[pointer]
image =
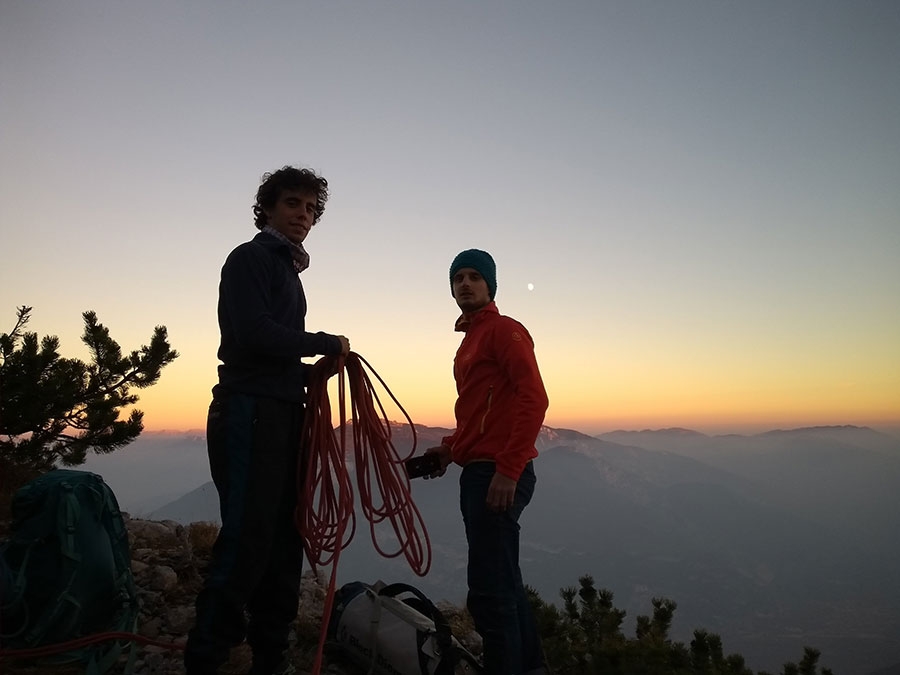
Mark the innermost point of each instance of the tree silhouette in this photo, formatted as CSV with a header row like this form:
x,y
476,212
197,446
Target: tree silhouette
x,y
585,638
808,664
54,409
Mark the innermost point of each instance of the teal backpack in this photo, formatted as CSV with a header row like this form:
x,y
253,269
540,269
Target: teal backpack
x,y
68,572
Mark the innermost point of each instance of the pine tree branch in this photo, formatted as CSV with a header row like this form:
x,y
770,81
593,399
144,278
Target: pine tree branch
x,y
54,409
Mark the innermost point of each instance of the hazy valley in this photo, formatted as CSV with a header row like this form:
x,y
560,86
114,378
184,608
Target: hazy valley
x,y
774,541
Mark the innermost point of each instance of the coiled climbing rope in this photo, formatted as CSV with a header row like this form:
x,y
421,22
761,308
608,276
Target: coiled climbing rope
x,y
325,514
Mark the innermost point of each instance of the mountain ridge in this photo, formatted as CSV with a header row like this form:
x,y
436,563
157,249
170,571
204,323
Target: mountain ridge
x,y
771,541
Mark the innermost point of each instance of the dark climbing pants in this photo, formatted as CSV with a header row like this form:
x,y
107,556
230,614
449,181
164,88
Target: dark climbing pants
x,y
497,600
253,581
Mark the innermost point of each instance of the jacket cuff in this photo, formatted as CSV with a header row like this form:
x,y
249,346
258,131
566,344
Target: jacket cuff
x,y
509,469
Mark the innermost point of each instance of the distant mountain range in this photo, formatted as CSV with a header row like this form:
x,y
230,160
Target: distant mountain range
x,y
774,541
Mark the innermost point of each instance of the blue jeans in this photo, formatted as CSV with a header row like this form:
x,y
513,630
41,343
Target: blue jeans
x,y
497,600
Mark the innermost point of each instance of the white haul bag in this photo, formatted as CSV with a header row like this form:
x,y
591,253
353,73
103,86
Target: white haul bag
x,y
392,635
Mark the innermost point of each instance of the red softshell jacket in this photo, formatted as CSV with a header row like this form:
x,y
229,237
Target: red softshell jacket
x,y
501,398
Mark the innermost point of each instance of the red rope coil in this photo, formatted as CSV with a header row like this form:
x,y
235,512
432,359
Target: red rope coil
x,y
325,514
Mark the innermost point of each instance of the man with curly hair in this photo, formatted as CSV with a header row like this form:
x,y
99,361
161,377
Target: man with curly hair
x,y
253,431
500,407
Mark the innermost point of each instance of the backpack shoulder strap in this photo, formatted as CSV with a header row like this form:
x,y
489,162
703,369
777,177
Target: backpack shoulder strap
x,y
67,513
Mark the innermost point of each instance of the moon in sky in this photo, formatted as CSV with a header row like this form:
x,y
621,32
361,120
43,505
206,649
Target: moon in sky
x,y
530,287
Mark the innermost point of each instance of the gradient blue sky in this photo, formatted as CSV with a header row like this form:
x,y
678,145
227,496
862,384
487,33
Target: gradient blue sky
x,y
704,195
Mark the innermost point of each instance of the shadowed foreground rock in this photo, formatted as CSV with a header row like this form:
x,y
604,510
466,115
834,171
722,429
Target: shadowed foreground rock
x,y
168,561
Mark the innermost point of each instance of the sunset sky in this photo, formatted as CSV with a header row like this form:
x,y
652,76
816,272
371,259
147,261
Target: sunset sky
x,y
705,196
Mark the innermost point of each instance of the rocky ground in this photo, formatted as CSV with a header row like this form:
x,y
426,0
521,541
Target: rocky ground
x,y
168,561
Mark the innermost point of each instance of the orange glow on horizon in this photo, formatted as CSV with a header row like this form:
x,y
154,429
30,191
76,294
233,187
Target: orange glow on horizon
x,y
194,418
586,396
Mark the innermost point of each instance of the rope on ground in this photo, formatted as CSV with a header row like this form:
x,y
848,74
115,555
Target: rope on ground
x,y
78,643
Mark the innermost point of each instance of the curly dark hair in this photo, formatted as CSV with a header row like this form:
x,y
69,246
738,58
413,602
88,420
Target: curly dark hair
x,y
289,178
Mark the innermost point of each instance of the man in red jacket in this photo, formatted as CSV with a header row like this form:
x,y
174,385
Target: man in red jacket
x,y
499,411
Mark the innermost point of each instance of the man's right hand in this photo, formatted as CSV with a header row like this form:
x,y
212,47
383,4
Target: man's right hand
x,y
443,452
345,345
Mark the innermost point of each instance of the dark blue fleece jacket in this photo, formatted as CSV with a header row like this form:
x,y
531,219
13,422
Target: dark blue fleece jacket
x,y
262,317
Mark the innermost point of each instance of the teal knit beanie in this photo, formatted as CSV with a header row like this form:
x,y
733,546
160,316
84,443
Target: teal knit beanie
x,y
480,261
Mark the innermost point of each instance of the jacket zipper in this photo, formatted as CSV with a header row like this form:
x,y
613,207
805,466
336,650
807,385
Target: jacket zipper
x,y
484,417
